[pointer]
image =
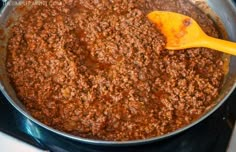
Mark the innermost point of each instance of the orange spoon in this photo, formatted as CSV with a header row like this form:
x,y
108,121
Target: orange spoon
x,y
183,32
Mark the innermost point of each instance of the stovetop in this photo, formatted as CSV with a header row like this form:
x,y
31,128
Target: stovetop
x,y
211,135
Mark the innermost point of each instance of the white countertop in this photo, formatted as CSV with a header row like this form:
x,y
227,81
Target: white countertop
x,y
232,144
10,144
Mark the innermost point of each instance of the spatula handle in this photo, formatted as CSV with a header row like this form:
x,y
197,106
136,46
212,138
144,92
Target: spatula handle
x,y
220,45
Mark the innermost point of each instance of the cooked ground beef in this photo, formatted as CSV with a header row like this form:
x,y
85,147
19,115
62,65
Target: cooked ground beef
x,y
98,69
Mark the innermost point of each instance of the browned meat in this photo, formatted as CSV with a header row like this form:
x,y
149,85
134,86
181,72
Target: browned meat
x,y
98,69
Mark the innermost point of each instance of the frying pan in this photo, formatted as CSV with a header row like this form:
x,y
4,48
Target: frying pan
x,y
224,10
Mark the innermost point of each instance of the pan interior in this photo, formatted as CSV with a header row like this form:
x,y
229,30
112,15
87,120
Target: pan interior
x,y
230,33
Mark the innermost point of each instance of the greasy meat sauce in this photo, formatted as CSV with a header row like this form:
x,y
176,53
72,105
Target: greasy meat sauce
x,y
98,69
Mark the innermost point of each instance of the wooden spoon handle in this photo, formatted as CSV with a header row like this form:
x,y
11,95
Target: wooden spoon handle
x,y
220,45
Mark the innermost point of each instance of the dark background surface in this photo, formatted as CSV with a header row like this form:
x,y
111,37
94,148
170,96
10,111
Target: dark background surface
x,y
211,135
1,4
